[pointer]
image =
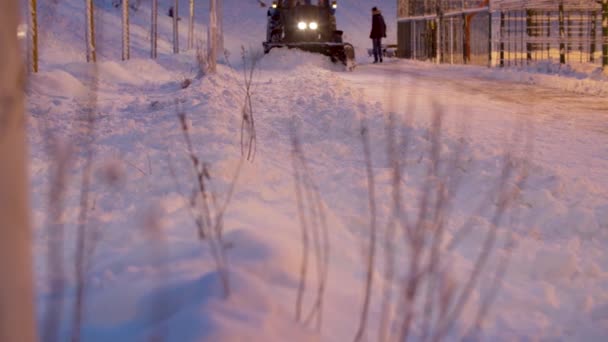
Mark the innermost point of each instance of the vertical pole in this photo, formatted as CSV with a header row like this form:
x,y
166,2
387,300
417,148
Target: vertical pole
x,y
528,35
569,36
212,36
34,34
191,26
593,36
562,34
489,38
125,30
521,37
154,29
220,25
548,35
17,314
538,28
438,47
465,46
502,42
416,41
439,32
90,32
451,40
580,37
509,31
175,27
605,34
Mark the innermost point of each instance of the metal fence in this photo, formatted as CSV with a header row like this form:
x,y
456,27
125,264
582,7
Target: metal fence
x,y
503,32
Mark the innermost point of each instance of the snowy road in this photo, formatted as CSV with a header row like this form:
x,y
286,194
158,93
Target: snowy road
x,y
571,129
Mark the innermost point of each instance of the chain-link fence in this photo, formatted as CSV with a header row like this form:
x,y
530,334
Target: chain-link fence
x,y
504,32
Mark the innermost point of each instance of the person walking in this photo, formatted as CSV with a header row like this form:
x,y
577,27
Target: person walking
x,y
378,32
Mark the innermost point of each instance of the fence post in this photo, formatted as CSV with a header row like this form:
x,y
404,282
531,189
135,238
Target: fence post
x,y
154,29
34,34
592,33
191,26
438,31
562,34
568,35
451,40
90,32
605,34
502,42
414,41
465,45
548,35
175,27
528,35
489,38
125,30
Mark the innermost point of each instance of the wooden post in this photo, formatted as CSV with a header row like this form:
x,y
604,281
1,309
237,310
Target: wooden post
x,y
175,27
125,30
489,38
548,35
439,32
528,35
90,32
465,43
17,314
502,42
33,29
191,26
154,29
438,43
562,34
593,36
569,36
212,36
580,37
220,26
451,40
605,34
521,37
414,40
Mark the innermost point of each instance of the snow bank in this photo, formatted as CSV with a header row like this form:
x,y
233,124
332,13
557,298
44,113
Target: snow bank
x,y
152,278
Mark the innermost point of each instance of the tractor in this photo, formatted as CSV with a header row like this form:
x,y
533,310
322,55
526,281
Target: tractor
x,y
309,27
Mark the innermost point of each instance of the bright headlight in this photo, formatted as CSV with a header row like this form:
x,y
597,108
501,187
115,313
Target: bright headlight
x,y
302,25
313,25
21,31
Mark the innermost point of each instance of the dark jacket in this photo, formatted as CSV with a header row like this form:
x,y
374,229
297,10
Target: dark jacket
x,y
378,26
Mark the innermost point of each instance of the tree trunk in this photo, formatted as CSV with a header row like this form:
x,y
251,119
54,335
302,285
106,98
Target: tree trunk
x,y
16,288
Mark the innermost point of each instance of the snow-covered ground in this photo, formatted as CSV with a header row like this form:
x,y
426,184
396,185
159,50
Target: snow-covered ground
x,y
151,277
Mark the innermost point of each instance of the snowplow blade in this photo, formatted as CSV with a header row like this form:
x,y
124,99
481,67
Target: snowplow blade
x,y
338,52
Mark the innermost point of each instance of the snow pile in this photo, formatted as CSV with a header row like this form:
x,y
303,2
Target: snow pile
x,y
286,59
150,277
573,77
